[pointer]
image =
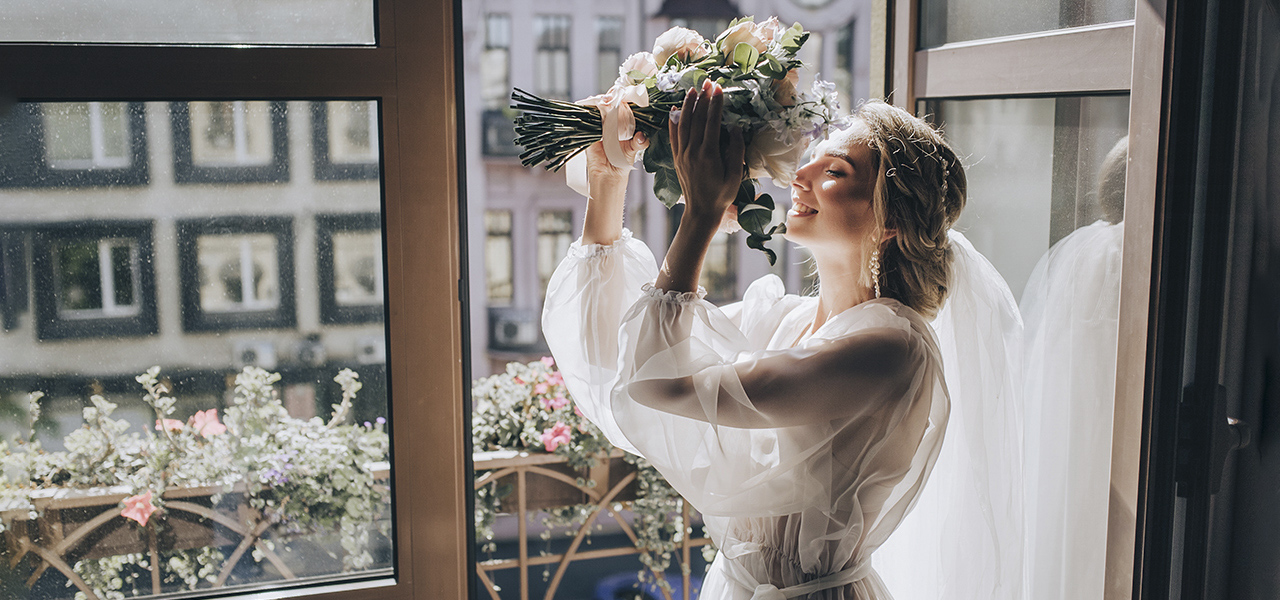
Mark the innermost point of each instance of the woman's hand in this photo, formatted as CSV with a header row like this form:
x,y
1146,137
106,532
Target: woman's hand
x,y
607,187
710,171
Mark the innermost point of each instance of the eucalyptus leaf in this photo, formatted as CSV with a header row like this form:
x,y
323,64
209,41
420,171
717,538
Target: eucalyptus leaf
x,y
745,56
756,241
658,155
692,78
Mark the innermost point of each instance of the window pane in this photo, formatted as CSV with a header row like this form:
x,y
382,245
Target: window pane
x,y
609,51
230,133
353,132
946,21
555,233
551,67
68,136
498,257
1046,206
258,301
346,22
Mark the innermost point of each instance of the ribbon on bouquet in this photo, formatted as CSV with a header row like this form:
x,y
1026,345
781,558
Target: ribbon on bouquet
x,y
618,124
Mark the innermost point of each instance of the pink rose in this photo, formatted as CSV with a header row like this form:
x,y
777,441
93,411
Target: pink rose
x,y
206,423
744,32
678,41
548,361
138,508
558,434
555,378
784,90
168,424
541,389
769,30
578,412
644,63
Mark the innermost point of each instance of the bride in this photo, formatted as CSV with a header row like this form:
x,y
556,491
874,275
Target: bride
x,y
803,428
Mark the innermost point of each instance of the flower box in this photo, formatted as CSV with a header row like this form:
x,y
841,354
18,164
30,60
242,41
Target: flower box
x,y
550,482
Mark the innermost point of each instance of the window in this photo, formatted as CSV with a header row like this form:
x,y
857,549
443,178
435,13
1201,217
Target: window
x,y
946,21
94,280
844,68
229,142
237,272
349,261
344,140
719,269
498,256
551,66
495,62
73,144
555,233
13,276
411,554
608,51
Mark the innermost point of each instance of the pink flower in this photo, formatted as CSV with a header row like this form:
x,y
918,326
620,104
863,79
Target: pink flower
x,y
558,434
578,412
555,378
770,30
206,422
540,389
518,380
168,424
138,508
742,33
556,403
547,360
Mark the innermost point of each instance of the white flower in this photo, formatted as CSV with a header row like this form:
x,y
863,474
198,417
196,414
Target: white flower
x,y
684,43
744,32
770,155
642,62
770,30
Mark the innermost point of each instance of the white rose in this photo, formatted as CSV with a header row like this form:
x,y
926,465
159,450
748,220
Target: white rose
x,y
640,61
740,33
685,43
770,156
770,30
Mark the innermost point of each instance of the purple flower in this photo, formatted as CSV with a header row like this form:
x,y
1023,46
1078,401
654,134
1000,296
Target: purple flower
x,y
380,421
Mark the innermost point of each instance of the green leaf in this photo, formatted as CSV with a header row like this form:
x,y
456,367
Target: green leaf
x,y
754,214
635,75
658,155
746,56
692,78
756,241
770,67
666,186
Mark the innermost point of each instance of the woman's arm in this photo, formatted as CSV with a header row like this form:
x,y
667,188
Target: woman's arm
x,y
607,185
710,172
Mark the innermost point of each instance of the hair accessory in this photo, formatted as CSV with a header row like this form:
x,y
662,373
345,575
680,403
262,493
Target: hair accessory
x,y
875,268
945,175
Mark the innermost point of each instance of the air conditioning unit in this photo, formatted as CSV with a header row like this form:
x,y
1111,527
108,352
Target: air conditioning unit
x,y
371,349
249,353
513,329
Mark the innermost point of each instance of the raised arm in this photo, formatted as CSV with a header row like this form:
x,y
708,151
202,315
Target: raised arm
x,y
608,186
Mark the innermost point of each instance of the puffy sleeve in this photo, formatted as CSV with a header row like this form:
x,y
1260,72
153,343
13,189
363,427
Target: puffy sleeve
x,y
733,426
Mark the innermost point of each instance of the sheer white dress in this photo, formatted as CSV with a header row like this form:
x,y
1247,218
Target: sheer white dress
x,y
803,451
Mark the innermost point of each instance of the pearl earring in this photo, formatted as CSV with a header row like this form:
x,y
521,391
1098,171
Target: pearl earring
x,y
875,268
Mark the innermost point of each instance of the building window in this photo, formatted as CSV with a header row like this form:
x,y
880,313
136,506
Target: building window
x,y
229,142
551,65
94,280
498,256
719,269
60,144
843,72
345,141
495,63
608,51
349,261
237,272
555,233
709,28
13,277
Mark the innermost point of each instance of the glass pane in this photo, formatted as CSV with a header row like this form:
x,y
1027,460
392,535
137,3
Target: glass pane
x,y
345,22
68,135
353,132
230,133
183,370
498,255
946,21
1046,205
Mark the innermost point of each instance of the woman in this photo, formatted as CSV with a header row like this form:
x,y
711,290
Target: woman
x,y
802,428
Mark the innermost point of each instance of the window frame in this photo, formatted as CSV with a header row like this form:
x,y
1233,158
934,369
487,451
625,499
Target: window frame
x,y
414,72
330,311
550,21
17,170
185,171
325,168
1056,63
196,319
50,322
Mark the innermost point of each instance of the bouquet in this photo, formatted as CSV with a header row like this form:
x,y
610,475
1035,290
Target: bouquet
x,y
755,63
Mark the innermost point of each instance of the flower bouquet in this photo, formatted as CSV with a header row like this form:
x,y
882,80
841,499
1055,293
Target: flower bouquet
x,y
757,66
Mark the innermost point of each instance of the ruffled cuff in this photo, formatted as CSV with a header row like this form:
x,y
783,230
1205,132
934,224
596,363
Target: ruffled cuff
x,y
582,251
680,298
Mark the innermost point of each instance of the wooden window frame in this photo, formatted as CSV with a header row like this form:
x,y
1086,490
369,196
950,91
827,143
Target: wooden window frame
x,y
1067,61
413,73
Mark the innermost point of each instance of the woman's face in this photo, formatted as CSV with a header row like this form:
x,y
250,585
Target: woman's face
x,y
831,195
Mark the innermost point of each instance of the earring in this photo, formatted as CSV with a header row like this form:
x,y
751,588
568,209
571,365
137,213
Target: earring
x,y
875,269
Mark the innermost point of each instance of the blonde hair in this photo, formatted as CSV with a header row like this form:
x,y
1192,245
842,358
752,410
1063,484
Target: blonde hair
x,y
919,192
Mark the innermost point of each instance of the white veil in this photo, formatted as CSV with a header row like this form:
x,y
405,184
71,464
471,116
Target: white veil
x,y
964,538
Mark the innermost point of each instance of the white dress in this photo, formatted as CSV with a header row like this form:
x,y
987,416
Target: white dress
x,y
803,452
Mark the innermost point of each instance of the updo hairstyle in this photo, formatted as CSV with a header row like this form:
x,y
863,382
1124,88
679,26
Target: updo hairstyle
x,y
914,197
